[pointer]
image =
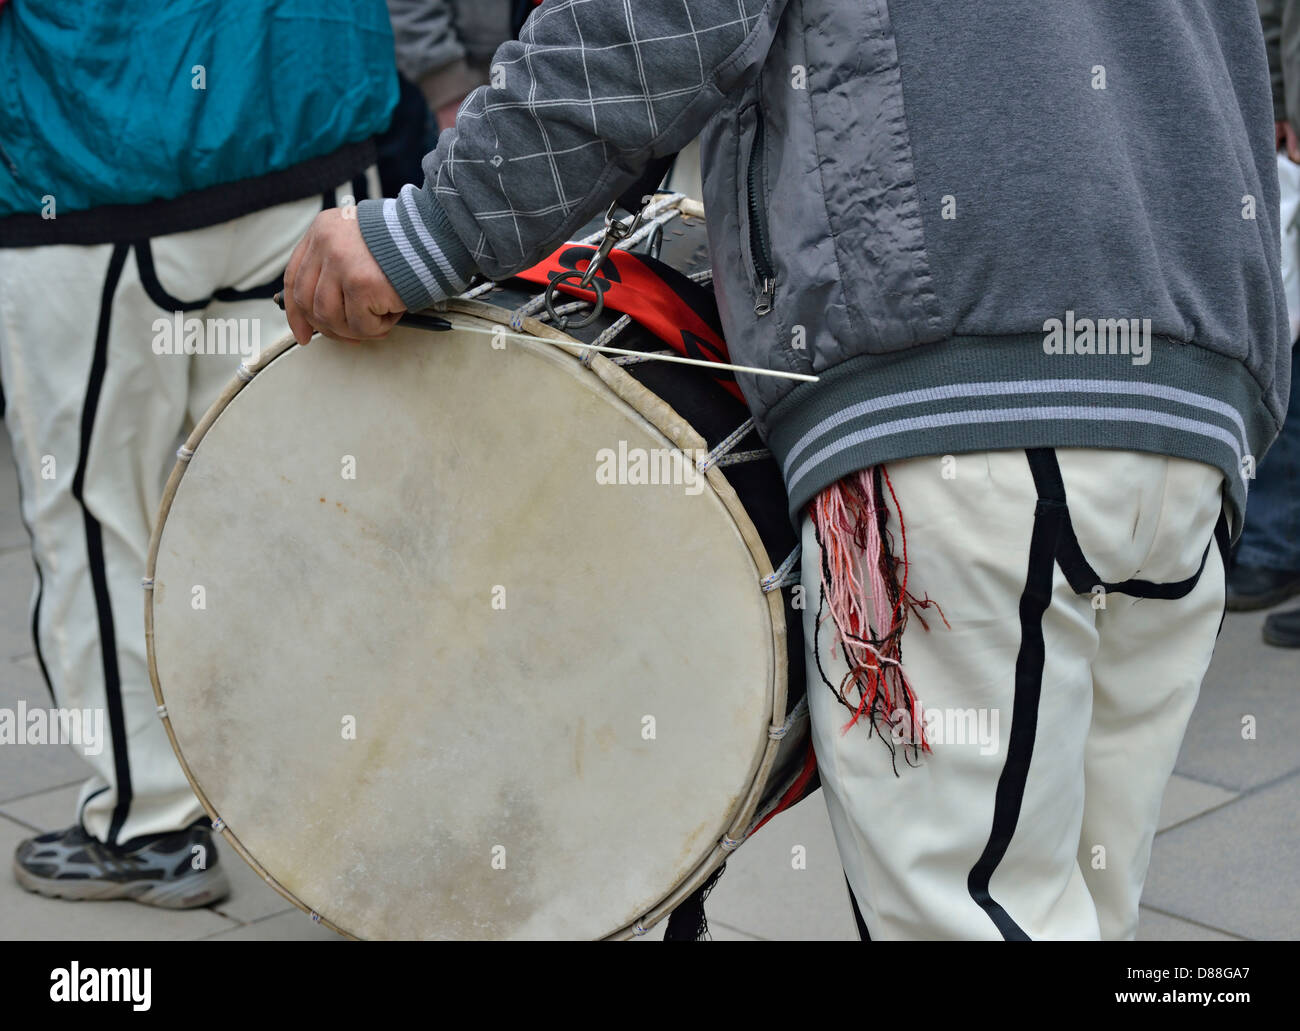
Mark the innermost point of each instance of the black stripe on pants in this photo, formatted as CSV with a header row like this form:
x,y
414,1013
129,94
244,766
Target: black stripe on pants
x,y
1053,542
95,550
863,933
1049,517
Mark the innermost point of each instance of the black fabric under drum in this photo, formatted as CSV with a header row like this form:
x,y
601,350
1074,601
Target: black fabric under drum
x,y
709,408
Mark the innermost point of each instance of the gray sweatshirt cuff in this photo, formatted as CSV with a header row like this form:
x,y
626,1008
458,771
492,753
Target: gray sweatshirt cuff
x,y
415,244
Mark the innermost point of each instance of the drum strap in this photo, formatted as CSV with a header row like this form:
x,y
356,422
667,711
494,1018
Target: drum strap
x,y
679,311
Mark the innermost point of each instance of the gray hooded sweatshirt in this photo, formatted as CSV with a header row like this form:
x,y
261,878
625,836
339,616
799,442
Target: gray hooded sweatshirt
x,y
983,225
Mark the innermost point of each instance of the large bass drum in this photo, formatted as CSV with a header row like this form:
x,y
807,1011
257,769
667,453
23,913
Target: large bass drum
x,y
475,634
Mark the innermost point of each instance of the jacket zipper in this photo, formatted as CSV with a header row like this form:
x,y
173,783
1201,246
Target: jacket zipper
x,y
759,248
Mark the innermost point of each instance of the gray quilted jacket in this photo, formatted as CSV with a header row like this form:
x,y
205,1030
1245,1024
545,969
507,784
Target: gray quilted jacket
x,y
1027,223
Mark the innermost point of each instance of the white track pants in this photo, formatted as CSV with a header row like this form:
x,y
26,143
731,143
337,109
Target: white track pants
x,y
1057,718
95,416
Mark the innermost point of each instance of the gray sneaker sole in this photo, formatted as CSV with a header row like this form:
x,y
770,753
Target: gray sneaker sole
x,y
202,888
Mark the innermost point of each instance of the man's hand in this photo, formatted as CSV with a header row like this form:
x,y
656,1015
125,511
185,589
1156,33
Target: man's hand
x,y
333,285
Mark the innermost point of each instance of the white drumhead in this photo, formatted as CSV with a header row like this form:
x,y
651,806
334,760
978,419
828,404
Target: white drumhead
x,y
436,680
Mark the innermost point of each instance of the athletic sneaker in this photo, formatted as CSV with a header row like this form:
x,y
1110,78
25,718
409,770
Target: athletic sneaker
x,y
158,870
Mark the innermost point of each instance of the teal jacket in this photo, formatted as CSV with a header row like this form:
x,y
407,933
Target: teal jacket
x,y
138,101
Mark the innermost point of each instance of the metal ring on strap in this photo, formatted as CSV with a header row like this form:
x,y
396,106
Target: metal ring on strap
x,y
656,240
562,321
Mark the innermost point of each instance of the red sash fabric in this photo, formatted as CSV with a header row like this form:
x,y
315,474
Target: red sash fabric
x,y
676,309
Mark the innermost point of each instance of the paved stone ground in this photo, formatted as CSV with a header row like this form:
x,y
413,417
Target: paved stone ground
x,y
1223,864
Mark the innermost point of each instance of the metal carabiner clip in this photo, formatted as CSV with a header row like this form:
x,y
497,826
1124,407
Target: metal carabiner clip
x,y
616,231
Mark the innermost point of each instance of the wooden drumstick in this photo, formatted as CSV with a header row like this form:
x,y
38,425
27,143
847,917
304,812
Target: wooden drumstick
x,y
433,322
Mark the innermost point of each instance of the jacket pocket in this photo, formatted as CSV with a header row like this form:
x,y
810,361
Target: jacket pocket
x,y
756,243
